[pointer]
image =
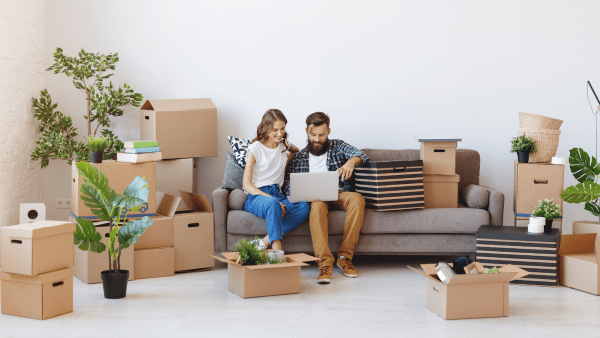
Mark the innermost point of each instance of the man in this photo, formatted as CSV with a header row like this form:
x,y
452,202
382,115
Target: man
x,y
323,154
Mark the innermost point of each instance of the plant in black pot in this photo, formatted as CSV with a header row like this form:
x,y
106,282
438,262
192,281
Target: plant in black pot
x,y
549,210
96,145
109,206
523,146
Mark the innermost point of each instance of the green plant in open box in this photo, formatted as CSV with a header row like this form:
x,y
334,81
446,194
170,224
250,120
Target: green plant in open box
x,y
107,205
250,254
586,171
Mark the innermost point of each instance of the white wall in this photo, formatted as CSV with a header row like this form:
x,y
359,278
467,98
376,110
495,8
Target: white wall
x,y
22,64
385,71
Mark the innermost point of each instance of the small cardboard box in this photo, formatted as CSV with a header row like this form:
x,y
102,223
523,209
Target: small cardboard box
x,y
586,227
183,128
175,175
534,182
470,296
151,263
439,158
193,230
39,297
248,281
88,265
120,175
36,248
578,262
158,235
441,191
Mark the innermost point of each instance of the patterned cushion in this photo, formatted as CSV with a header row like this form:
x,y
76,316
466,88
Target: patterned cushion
x,y
240,149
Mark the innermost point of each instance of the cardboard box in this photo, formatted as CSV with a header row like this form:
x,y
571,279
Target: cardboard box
x,y
470,296
534,182
578,262
183,128
88,265
36,248
441,191
151,263
119,175
391,185
175,175
193,230
39,297
523,223
248,281
439,158
158,235
586,227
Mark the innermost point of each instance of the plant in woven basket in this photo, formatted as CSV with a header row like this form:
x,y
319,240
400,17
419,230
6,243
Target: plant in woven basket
x,y
548,209
586,171
522,144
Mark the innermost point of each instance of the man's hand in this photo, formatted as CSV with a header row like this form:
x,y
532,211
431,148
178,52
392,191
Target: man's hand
x,y
346,170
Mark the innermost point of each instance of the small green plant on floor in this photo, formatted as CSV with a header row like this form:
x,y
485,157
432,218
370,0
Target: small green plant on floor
x,y
250,254
97,144
548,209
522,144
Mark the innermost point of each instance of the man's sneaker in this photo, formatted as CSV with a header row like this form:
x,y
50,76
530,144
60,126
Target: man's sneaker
x,y
347,268
325,274
259,243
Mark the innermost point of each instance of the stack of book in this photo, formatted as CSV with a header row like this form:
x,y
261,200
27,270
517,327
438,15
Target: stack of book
x,y
140,152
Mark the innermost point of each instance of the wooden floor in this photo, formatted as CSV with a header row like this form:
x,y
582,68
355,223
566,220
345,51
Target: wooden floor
x,y
387,300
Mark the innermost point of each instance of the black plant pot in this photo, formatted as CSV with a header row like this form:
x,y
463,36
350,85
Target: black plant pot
x,y
115,285
97,156
548,226
523,156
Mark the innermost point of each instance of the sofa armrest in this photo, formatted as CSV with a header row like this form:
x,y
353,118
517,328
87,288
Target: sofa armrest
x,y
495,206
220,210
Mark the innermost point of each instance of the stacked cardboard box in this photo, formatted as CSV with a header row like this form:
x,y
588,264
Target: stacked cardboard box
x,y
37,281
439,172
154,253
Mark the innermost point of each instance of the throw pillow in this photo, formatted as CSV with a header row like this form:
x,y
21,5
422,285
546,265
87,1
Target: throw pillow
x,y
232,179
240,149
237,199
476,196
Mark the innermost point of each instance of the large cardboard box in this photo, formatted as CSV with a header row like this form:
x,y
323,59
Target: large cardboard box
x,y
586,227
248,281
175,175
534,182
578,262
441,191
88,265
39,297
470,296
183,128
158,235
120,175
391,185
439,158
151,263
36,248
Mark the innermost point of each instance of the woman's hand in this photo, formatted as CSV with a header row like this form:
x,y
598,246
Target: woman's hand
x,y
283,213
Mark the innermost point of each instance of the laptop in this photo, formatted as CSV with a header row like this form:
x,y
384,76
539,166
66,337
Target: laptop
x,y
310,187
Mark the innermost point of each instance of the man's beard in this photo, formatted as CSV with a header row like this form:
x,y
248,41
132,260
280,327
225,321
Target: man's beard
x,y
318,149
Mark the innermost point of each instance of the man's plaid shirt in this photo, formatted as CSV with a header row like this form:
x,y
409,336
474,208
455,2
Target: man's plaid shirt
x,y
339,152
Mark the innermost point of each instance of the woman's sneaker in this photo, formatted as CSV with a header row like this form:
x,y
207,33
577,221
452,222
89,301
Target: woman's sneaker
x,y
259,243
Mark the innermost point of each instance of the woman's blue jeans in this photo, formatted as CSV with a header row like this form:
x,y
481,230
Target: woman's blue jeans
x,y
270,209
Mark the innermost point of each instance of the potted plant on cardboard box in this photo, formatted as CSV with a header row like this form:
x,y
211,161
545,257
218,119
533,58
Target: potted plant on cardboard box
x,y
586,171
549,210
250,254
96,145
107,205
523,146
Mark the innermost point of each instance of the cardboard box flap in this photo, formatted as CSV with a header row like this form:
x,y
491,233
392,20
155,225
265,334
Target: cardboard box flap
x,y
46,278
39,229
275,266
178,105
195,202
577,244
430,269
221,259
232,256
511,268
441,178
598,252
167,204
488,278
423,273
302,257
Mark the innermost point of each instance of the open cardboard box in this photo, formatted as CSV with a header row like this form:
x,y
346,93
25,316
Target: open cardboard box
x,y
470,295
249,281
578,258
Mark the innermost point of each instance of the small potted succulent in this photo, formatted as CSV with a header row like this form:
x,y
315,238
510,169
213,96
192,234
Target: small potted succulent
x,y
96,145
523,146
549,210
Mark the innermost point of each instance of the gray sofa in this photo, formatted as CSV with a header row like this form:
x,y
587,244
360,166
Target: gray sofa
x,y
420,231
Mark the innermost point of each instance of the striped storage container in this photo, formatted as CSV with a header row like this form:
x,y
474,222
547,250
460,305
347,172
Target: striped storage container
x,y
391,185
536,253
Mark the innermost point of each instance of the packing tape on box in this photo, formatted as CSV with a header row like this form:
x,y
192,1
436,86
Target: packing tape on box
x,y
560,160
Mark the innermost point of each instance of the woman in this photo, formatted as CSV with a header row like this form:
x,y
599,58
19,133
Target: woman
x,y
265,170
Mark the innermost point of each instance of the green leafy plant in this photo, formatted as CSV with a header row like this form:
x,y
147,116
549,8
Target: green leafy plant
x,y
109,206
97,144
522,144
250,254
58,136
586,171
546,208
491,270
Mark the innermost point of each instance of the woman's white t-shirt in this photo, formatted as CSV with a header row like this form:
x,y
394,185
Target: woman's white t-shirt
x,y
270,164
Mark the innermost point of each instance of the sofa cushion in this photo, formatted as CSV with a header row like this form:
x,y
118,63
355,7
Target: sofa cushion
x,y
237,199
232,178
476,196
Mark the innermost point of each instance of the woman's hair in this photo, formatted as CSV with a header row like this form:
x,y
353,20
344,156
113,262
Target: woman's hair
x,y
316,119
266,125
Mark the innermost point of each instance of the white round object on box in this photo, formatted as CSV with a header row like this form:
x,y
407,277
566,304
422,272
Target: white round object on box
x,y
560,160
537,221
535,228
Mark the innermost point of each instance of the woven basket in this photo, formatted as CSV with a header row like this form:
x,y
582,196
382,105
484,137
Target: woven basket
x,y
546,143
527,120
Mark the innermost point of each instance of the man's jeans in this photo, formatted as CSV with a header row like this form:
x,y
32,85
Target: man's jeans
x,y
270,209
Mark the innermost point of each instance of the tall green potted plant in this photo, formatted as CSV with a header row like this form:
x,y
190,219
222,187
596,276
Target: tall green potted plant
x,y
109,206
586,171
523,146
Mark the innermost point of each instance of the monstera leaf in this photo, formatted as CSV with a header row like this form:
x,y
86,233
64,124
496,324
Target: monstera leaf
x,y
593,208
135,195
87,237
95,191
130,232
582,192
585,168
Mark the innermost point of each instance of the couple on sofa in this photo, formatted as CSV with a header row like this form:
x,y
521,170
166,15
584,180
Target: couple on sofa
x,y
267,183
